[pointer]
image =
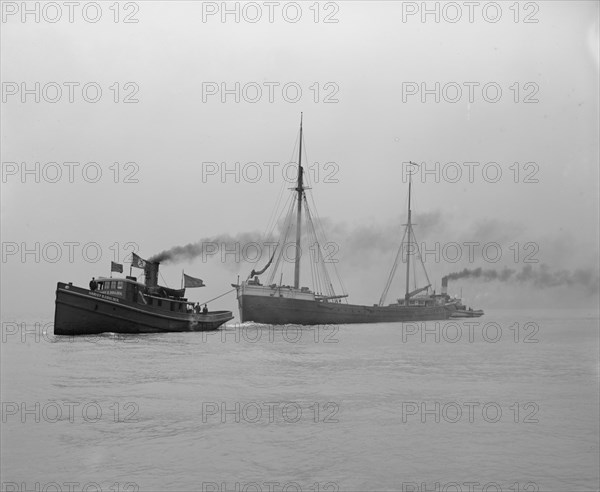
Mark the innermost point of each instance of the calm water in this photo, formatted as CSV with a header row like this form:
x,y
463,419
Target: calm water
x,y
363,407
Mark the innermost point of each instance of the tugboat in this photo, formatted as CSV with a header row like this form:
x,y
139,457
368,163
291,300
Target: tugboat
x,y
458,309
275,303
124,305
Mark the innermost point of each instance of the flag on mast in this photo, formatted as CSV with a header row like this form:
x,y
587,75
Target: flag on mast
x,y
137,262
190,282
116,267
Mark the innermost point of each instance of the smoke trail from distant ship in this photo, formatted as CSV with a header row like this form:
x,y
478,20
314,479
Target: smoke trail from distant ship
x,y
542,277
485,274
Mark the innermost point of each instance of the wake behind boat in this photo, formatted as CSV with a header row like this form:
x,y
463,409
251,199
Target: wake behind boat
x,y
276,303
124,305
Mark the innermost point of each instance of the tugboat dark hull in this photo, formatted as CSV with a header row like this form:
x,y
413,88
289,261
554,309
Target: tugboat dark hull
x,y
83,312
281,310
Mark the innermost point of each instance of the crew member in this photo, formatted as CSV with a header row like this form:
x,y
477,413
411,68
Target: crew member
x,y
204,309
93,284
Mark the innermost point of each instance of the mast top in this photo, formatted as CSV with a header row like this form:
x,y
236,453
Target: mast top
x,y
300,190
300,185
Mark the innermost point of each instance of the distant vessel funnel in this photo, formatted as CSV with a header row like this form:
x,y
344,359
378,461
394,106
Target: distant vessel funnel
x,y
444,285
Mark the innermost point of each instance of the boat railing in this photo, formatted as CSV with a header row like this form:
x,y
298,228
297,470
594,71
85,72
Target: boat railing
x,y
327,298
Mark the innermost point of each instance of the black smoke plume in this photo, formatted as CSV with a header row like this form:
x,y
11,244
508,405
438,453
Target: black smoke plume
x,y
542,277
223,242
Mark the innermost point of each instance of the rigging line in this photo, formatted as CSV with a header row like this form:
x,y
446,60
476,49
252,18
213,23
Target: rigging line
x,y
320,266
314,255
283,186
415,206
273,221
326,278
277,210
289,222
323,267
275,267
283,240
421,259
393,272
321,232
271,232
312,270
163,279
344,292
338,276
387,287
317,256
335,269
322,239
310,242
418,251
414,267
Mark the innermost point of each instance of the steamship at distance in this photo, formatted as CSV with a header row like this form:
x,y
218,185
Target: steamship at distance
x,y
458,309
124,305
275,303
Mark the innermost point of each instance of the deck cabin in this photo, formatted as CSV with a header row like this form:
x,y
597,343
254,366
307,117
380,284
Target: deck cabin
x,y
419,301
160,298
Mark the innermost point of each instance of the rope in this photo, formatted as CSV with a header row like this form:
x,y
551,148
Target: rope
x,y
214,299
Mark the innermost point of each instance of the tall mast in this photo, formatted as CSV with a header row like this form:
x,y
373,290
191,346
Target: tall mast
x,y
300,190
409,227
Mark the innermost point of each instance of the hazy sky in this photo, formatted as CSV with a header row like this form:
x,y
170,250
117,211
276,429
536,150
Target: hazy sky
x,y
528,103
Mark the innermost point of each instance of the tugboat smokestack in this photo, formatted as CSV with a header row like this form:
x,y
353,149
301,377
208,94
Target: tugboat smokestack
x,y
151,274
445,285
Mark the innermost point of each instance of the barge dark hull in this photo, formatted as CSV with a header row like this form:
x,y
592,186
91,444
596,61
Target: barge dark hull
x,y
280,311
82,312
